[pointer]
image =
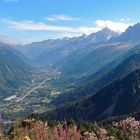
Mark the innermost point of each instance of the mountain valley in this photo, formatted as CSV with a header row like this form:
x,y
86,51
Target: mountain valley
x,y
83,78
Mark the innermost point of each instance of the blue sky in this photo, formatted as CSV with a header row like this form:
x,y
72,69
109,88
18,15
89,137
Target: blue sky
x,y
34,20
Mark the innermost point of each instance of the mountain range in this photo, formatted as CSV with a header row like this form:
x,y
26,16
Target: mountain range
x,y
105,96
80,55
90,77
71,51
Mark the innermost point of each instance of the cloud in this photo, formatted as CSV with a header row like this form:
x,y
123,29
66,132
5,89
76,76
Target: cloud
x,y
60,18
89,30
114,26
30,25
38,26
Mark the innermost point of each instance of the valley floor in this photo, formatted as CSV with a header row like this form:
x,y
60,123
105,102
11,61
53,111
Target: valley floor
x,y
32,97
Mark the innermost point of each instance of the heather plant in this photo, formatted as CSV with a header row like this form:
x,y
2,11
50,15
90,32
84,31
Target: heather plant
x,y
128,128
41,131
31,129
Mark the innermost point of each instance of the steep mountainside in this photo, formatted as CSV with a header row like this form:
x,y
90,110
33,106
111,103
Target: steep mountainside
x,y
13,71
121,97
129,65
135,49
96,59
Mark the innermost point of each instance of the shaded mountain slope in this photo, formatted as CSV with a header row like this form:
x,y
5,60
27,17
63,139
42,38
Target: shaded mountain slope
x,y
130,64
13,71
106,103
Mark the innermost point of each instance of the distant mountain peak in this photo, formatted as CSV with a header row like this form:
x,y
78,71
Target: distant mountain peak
x,y
83,35
106,29
103,35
